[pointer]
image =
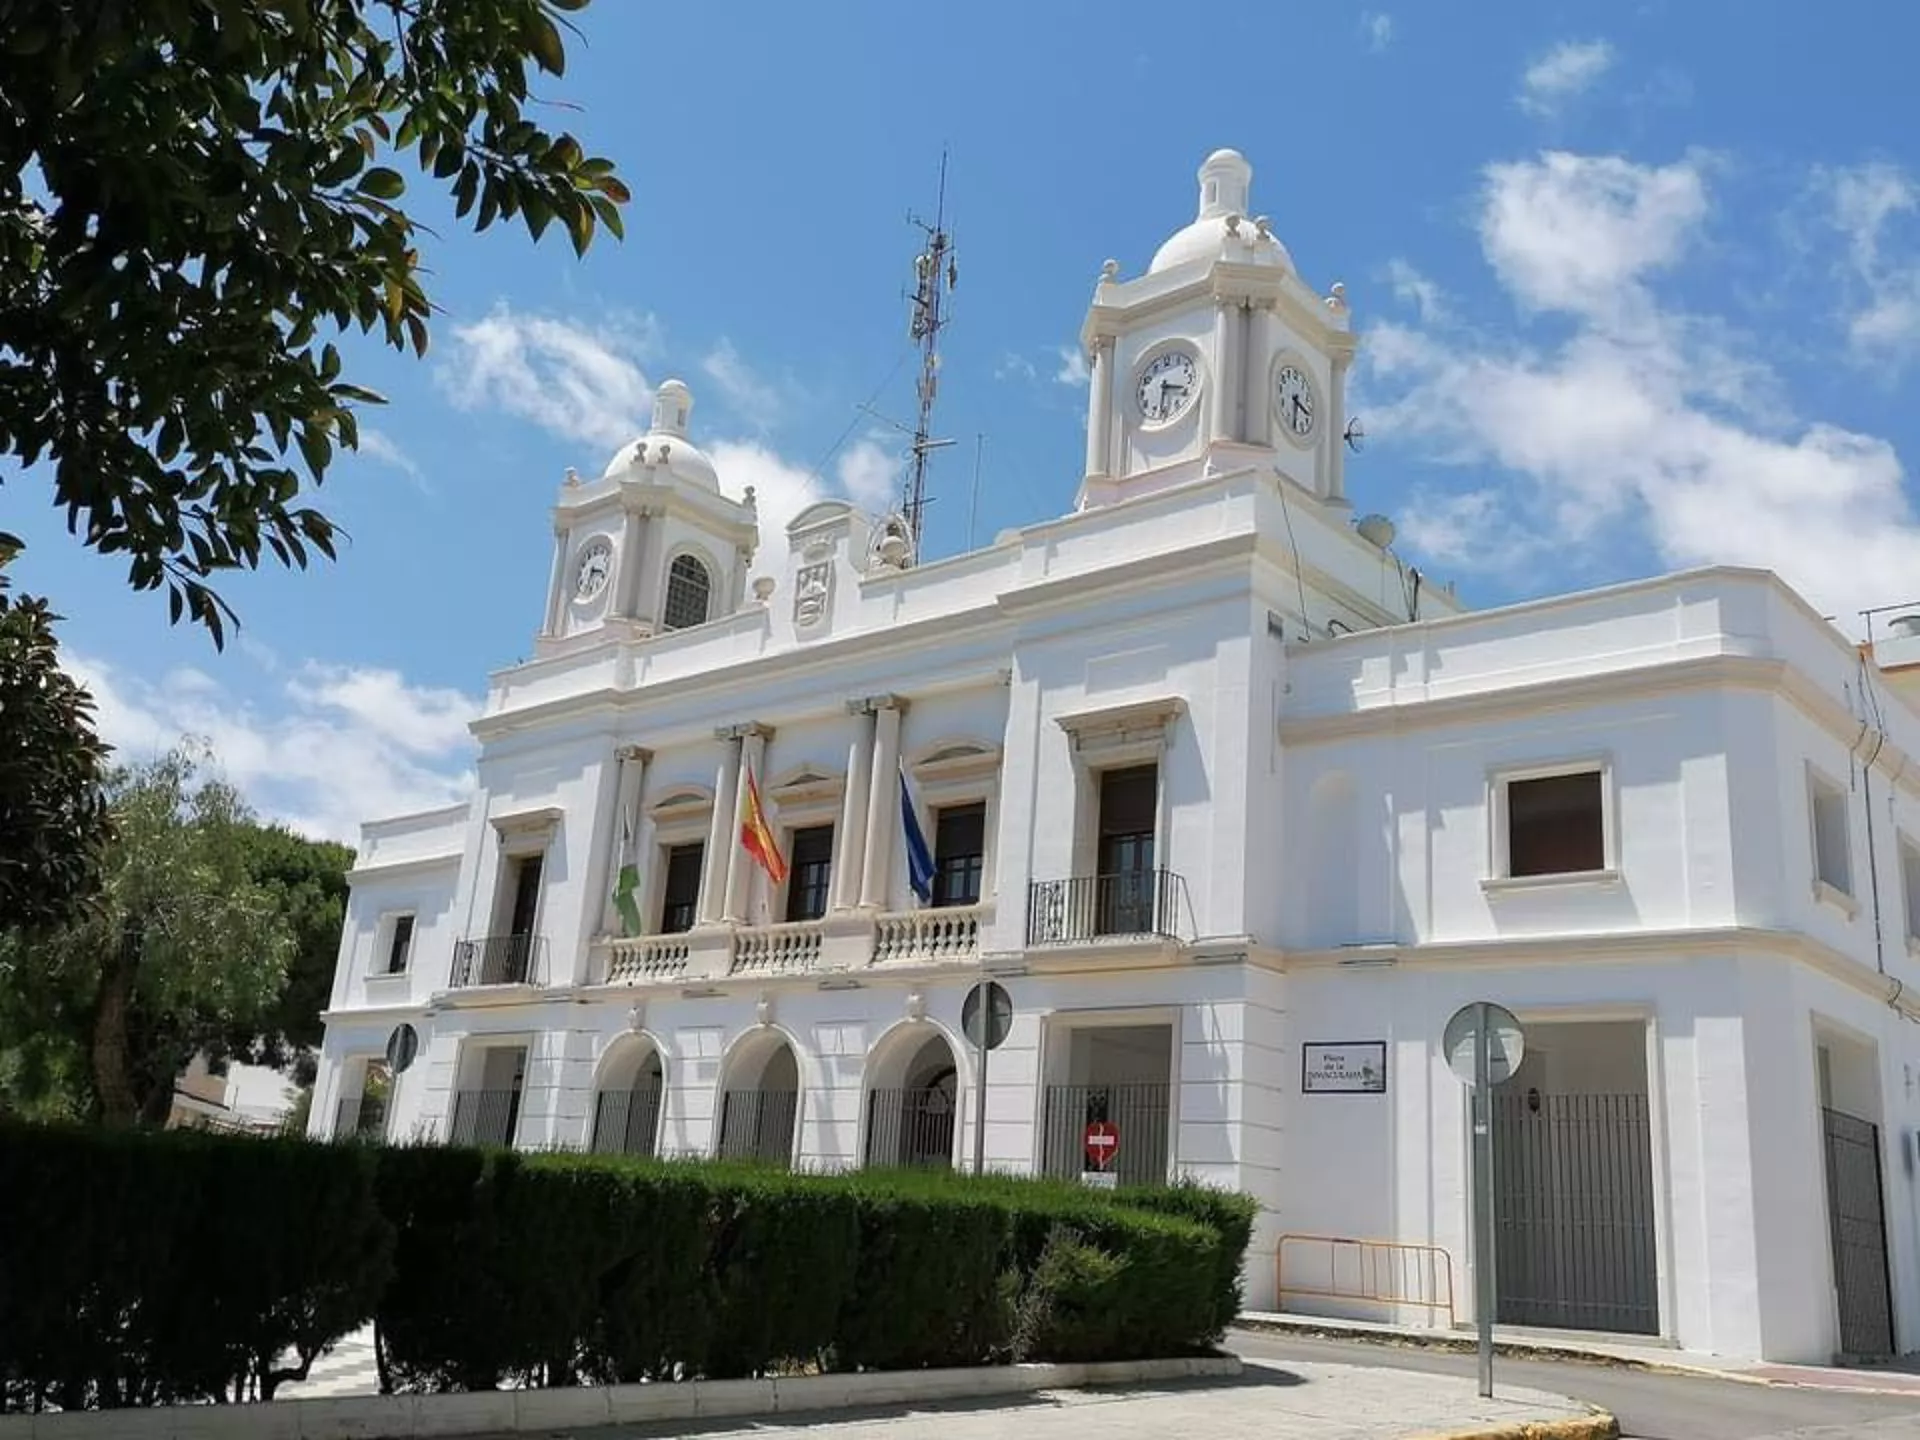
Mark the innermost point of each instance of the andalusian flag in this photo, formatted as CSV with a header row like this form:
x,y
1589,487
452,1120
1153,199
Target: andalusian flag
x,y
626,880
756,835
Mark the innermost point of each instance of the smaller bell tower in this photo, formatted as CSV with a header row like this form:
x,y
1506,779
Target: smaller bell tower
x,y
653,544
1218,357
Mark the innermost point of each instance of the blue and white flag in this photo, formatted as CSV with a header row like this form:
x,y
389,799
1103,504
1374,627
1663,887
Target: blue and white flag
x,y
919,857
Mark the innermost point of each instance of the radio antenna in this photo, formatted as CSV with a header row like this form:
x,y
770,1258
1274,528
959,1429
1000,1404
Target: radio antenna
x,y
935,276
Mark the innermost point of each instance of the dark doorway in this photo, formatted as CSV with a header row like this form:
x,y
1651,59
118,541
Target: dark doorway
x,y
1856,1214
1129,805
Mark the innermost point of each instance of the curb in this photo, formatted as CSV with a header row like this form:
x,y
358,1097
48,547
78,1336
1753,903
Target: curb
x,y
1317,1329
1597,1426
495,1412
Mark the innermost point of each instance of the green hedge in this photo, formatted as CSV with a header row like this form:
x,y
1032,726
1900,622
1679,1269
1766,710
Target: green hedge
x,y
180,1267
141,1268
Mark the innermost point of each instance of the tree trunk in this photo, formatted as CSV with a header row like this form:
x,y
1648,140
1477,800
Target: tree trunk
x,y
112,1082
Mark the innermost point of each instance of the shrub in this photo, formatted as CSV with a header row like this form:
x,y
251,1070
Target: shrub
x,y
178,1267
141,1268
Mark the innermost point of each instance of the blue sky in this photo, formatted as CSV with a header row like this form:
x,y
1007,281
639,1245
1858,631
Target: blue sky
x,y
1639,287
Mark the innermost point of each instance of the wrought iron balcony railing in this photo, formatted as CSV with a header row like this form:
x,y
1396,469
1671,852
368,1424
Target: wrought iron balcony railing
x,y
500,960
1086,908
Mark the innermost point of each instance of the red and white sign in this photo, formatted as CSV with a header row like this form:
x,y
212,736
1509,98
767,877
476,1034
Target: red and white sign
x,y
1102,1142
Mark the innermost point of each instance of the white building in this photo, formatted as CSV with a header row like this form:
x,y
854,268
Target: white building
x,y
1236,834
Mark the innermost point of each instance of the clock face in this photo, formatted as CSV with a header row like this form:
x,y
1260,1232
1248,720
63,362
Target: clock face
x,y
1293,401
591,570
1167,386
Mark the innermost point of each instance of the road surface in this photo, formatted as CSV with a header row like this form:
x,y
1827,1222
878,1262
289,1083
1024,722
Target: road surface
x,y
1650,1405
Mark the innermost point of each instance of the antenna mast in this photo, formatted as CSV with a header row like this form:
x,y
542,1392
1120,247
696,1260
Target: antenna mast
x,y
934,275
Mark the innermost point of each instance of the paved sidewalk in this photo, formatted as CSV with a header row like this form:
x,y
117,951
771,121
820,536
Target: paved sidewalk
x,y
1562,1344
1268,1402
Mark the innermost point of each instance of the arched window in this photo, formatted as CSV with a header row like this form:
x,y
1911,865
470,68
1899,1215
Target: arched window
x,y
689,590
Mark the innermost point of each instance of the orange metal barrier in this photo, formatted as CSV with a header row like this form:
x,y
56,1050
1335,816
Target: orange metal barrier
x,y
1384,1272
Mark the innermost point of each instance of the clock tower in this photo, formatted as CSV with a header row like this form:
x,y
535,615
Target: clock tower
x,y
1220,356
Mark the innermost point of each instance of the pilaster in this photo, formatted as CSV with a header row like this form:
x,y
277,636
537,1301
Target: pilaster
x,y
740,865
720,836
849,866
885,792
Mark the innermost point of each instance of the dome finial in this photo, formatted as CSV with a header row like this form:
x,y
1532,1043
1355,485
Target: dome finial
x,y
672,404
1225,179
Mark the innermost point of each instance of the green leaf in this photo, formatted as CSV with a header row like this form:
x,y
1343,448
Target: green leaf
x,y
383,184
545,45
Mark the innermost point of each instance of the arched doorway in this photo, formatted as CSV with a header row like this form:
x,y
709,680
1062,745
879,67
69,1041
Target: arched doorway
x,y
914,1103
760,1102
627,1099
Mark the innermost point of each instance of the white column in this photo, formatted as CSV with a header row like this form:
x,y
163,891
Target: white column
x,y
556,587
1100,408
740,867
633,539
721,841
1336,432
1253,415
850,840
1226,371
883,801
646,579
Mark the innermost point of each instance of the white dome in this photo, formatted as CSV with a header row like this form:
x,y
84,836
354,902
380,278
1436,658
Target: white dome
x,y
665,445
1223,230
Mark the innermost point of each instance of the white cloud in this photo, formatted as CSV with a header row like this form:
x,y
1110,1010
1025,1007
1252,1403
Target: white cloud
x,y
781,490
377,445
1645,423
1579,232
581,382
1014,366
1410,287
1882,280
755,401
1377,27
1073,366
1563,73
335,746
869,473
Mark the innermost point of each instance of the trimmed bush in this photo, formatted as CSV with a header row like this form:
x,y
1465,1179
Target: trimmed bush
x,y
175,1267
141,1269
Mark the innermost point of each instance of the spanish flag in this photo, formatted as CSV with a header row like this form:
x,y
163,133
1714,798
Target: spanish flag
x,y
756,835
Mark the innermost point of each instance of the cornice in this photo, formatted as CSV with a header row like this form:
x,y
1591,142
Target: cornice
x,y
397,869
1675,946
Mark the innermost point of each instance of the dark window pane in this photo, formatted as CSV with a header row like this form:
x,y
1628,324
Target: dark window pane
x,y
1554,825
526,895
402,943
681,900
1129,800
689,590
959,853
809,869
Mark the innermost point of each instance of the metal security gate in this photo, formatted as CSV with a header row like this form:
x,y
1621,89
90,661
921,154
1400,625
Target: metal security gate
x,y
1573,1212
1139,1112
910,1127
1854,1207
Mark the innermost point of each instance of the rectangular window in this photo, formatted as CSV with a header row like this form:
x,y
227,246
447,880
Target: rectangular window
x,y
526,895
1556,824
959,853
680,901
810,870
400,945
1910,879
1129,799
1831,863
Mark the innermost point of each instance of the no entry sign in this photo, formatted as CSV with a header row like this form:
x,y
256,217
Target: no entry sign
x,y
1102,1142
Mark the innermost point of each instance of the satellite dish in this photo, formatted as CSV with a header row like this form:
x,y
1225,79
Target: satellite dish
x,y
1355,435
1376,530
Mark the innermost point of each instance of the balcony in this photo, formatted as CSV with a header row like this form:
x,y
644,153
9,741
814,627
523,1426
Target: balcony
x,y
836,944
500,960
484,1117
1085,909
948,933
